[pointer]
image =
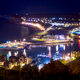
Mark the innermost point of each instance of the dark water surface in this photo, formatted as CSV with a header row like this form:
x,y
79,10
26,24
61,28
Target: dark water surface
x,y
10,31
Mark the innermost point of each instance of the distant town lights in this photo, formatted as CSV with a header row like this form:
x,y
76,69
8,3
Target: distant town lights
x,y
34,24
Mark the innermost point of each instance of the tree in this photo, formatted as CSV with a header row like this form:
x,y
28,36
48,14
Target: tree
x,y
54,69
16,68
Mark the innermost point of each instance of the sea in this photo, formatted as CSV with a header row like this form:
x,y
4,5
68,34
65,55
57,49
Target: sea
x,y
11,32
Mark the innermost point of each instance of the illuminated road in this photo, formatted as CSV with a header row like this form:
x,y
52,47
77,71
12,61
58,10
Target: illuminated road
x,y
74,30
33,24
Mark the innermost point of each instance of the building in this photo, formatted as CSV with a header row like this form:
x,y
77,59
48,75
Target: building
x,y
75,54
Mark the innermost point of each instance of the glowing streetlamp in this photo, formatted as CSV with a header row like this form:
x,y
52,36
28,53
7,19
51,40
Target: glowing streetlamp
x,y
24,39
15,40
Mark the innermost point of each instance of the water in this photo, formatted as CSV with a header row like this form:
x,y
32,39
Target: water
x,y
9,31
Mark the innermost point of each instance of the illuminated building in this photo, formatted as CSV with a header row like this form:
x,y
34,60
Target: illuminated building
x,y
57,56
75,54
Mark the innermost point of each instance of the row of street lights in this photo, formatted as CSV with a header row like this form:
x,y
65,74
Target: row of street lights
x,y
15,41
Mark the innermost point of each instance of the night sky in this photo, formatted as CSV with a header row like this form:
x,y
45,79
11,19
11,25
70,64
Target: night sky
x,y
39,6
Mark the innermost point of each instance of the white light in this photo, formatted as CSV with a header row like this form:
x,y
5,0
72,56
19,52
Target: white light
x,y
7,41
61,37
9,53
47,62
24,52
34,24
67,58
56,47
57,24
23,64
68,53
15,40
61,45
24,39
40,66
49,48
16,53
64,47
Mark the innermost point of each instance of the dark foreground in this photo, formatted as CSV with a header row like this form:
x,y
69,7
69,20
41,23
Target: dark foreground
x,y
55,70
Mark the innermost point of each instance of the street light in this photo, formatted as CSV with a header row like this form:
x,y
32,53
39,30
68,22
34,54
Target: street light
x,y
15,40
24,39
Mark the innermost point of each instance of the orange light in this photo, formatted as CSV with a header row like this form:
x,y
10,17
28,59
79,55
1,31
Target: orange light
x,y
34,24
79,40
79,36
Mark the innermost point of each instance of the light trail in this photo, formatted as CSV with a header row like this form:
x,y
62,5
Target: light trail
x,y
34,24
74,30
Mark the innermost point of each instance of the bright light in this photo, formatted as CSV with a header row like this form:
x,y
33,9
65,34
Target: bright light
x,y
60,18
64,47
67,58
49,54
49,48
15,40
24,39
61,45
79,41
9,53
68,53
56,47
34,38
23,64
73,58
9,42
24,52
47,62
7,56
61,37
57,24
16,53
34,24
40,66
53,18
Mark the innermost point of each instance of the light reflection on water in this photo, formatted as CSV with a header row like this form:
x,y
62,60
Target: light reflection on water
x,y
49,50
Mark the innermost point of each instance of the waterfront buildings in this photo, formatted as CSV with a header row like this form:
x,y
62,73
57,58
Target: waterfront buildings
x,y
75,54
